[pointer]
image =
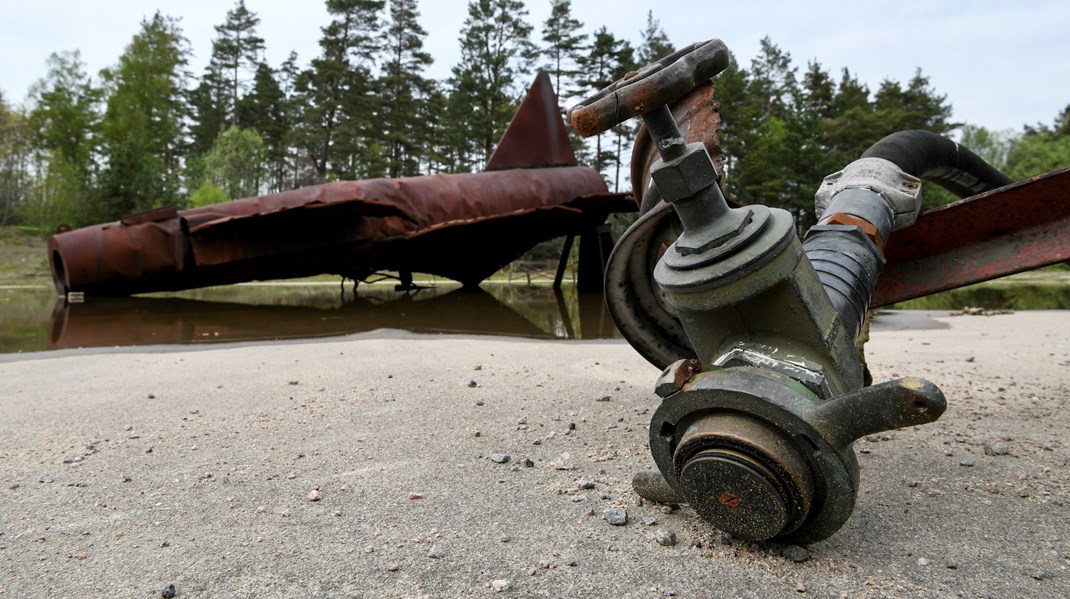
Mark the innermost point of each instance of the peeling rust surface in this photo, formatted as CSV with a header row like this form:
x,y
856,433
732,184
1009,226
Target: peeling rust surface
x,y
1012,229
686,371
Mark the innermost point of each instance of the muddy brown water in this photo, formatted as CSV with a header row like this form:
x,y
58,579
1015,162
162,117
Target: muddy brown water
x,y
33,319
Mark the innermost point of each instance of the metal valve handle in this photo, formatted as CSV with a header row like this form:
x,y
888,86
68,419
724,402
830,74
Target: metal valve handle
x,y
651,87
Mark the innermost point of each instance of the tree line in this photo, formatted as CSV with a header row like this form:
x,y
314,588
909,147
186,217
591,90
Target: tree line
x,y
147,132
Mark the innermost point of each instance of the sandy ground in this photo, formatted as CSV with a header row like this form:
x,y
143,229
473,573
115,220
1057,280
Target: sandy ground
x,y
127,471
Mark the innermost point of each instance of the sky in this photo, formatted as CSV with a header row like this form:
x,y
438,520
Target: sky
x,y
1001,64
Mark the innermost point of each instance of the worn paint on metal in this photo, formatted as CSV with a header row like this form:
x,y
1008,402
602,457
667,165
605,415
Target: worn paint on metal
x,y
1012,229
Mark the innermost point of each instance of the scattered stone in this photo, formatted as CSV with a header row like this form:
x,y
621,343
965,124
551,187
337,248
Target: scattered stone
x,y
522,420
415,496
392,567
478,367
968,462
727,539
369,549
563,462
665,537
314,495
293,382
969,358
795,553
477,434
528,463
603,398
800,587
168,592
435,552
500,586
499,458
47,479
127,479
578,498
617,516
473,383
952,564
649,521
74,459
586,485
668,592
260,509
997,448
152,396
922,561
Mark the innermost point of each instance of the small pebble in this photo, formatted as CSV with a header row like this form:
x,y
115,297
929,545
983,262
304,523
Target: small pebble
x,y
436,552
571,426
952,564
997,448
499,458
923,561
293,382
578,498
665,537
528,463
392,567
795,553
968,462
969,358
586,484
649,521
168,592
603,398
415,496
617,516
500,586
472,383
47,479
369,549
314,495
800,587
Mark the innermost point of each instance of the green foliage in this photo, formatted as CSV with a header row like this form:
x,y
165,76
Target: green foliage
x,y
336,93
16,157
564,46
495,51
207,194
404,89
236,46
235,166
144,127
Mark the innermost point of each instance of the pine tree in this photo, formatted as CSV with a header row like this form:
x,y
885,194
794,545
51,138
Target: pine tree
x,y
607,60
495,50
335,91
654,43
237,45
564,46
404,88
263,111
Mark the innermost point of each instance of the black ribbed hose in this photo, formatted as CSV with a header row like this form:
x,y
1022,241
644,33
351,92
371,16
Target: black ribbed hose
x,y
936,158
848,262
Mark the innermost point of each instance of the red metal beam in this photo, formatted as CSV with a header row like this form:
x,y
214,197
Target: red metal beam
x,y
1012,229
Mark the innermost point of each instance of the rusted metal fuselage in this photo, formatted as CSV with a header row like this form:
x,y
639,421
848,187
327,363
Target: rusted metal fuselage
x,y
460,226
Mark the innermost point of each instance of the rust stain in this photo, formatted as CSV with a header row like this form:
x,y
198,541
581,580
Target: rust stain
x,y
686,371
730,500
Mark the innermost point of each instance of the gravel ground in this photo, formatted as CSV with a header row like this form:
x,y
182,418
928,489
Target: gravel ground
x,y
394,465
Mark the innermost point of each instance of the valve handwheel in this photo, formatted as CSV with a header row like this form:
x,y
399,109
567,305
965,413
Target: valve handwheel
x,y
651,87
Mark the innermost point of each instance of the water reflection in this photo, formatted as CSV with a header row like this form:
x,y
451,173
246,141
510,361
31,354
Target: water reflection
x,y
302,312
